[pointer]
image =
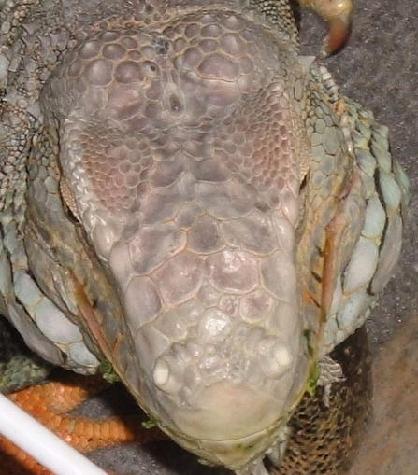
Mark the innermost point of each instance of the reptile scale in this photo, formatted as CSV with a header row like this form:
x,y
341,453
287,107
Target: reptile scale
x,y
188,200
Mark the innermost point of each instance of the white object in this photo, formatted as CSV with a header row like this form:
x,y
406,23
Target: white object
x,y
36,440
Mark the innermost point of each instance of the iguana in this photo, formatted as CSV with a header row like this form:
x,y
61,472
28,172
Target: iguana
x,y
185,196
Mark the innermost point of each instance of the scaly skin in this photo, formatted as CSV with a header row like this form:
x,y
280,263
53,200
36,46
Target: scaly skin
x,y
322,438
177,195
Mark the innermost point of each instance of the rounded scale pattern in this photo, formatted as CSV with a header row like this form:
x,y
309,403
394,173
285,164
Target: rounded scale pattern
x,y
162,208
377,249
167,90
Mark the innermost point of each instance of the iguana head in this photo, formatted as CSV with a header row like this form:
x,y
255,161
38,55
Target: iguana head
x,y
180,150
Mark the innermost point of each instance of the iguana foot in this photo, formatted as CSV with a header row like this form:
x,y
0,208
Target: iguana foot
x,y
18,366
330,372
49,404
338,14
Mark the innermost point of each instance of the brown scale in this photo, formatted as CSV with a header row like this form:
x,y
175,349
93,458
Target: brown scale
x,y
324,440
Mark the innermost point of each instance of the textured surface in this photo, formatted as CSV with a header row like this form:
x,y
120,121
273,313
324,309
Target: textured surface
x,y
330,453
378,67
366,101
341,425
169,211
341,422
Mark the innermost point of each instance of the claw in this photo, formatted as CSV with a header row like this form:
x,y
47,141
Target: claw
x,y
256,467
330,372
338,14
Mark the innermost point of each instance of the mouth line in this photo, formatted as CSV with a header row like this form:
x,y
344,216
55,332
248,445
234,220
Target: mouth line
x,y
267,430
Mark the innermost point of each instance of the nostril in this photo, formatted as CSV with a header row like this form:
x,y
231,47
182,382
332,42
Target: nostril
x,y
165,378
175,103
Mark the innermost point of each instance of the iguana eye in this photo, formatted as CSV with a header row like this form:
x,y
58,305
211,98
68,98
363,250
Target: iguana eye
x,y
69,200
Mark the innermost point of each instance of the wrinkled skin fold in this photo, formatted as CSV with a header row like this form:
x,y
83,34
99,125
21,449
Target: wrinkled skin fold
x,y
188,216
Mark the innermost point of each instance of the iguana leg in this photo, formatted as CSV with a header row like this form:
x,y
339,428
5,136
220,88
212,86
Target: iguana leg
x,y
18,366
338,14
